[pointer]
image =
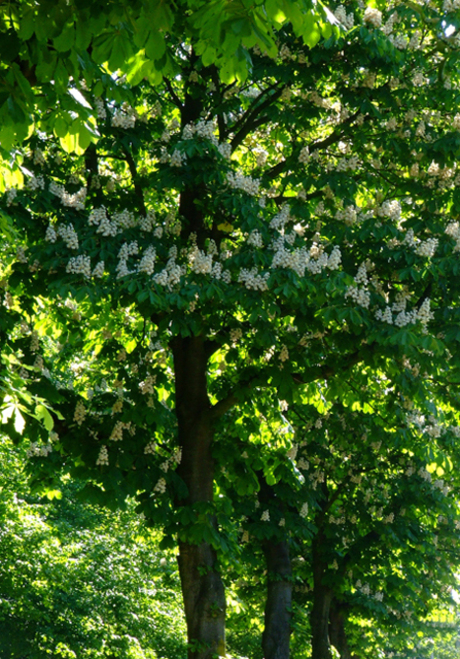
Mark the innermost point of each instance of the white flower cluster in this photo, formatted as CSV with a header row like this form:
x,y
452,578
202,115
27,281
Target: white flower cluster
x,y
360,294
150,448
124,117
98,217
68,235
390,208
170,276
36,183
281,219
117,431
147,386
373,16
204,129
265,517
403,318
38,157
11,196
451,5
315,260
423,473
261,157
235,334
245,183
125,219
147,222
225,150
100,108
37,450
255,239
441,486
284,354
126,250
453,230
103,457
99,269
160,487
341,15
177,158
304,510
34,342
79,265
253,280
50,235
348,215
80,413
304,155
344,164
147,262
75,200
303,464
200,262
427,248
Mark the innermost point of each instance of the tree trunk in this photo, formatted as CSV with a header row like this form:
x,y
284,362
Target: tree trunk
x,y
202,588
337,634
276,635
322,597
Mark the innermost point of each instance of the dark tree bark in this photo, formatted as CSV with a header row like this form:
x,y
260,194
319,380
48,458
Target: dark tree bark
x,y
337,633
277,632
202,588
277,628
322,598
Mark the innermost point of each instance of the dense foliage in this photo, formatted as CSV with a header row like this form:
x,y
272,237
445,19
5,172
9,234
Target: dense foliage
x,y
238,304
77,581
46,44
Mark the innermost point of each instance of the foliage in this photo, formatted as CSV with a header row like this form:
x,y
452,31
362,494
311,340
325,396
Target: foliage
x,y
297,233
45,44
76,581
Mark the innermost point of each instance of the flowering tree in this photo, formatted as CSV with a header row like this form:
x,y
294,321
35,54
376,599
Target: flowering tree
x,y
218,247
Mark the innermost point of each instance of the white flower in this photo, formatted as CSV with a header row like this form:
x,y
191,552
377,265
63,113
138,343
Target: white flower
x,y
80,413
79,265
99,269
147,262
245,183
160,487
304,510
304,155
103,458
284,354
373,16
69,236
50,235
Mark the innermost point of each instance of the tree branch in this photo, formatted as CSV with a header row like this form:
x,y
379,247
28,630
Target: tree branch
x,y
249,121
174,96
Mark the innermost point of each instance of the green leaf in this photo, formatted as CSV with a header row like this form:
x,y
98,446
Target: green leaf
x,y
43,415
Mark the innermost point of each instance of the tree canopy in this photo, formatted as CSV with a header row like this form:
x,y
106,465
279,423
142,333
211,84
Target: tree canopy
x,y
237,301
45,44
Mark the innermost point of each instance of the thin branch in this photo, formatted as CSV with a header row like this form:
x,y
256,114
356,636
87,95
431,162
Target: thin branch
x,y
251,122
176,100
137,188
334,137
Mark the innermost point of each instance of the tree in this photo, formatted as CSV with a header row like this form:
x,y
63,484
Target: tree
x,y
224,246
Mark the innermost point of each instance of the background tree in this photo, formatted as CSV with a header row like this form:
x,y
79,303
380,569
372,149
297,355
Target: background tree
x,y
77,580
